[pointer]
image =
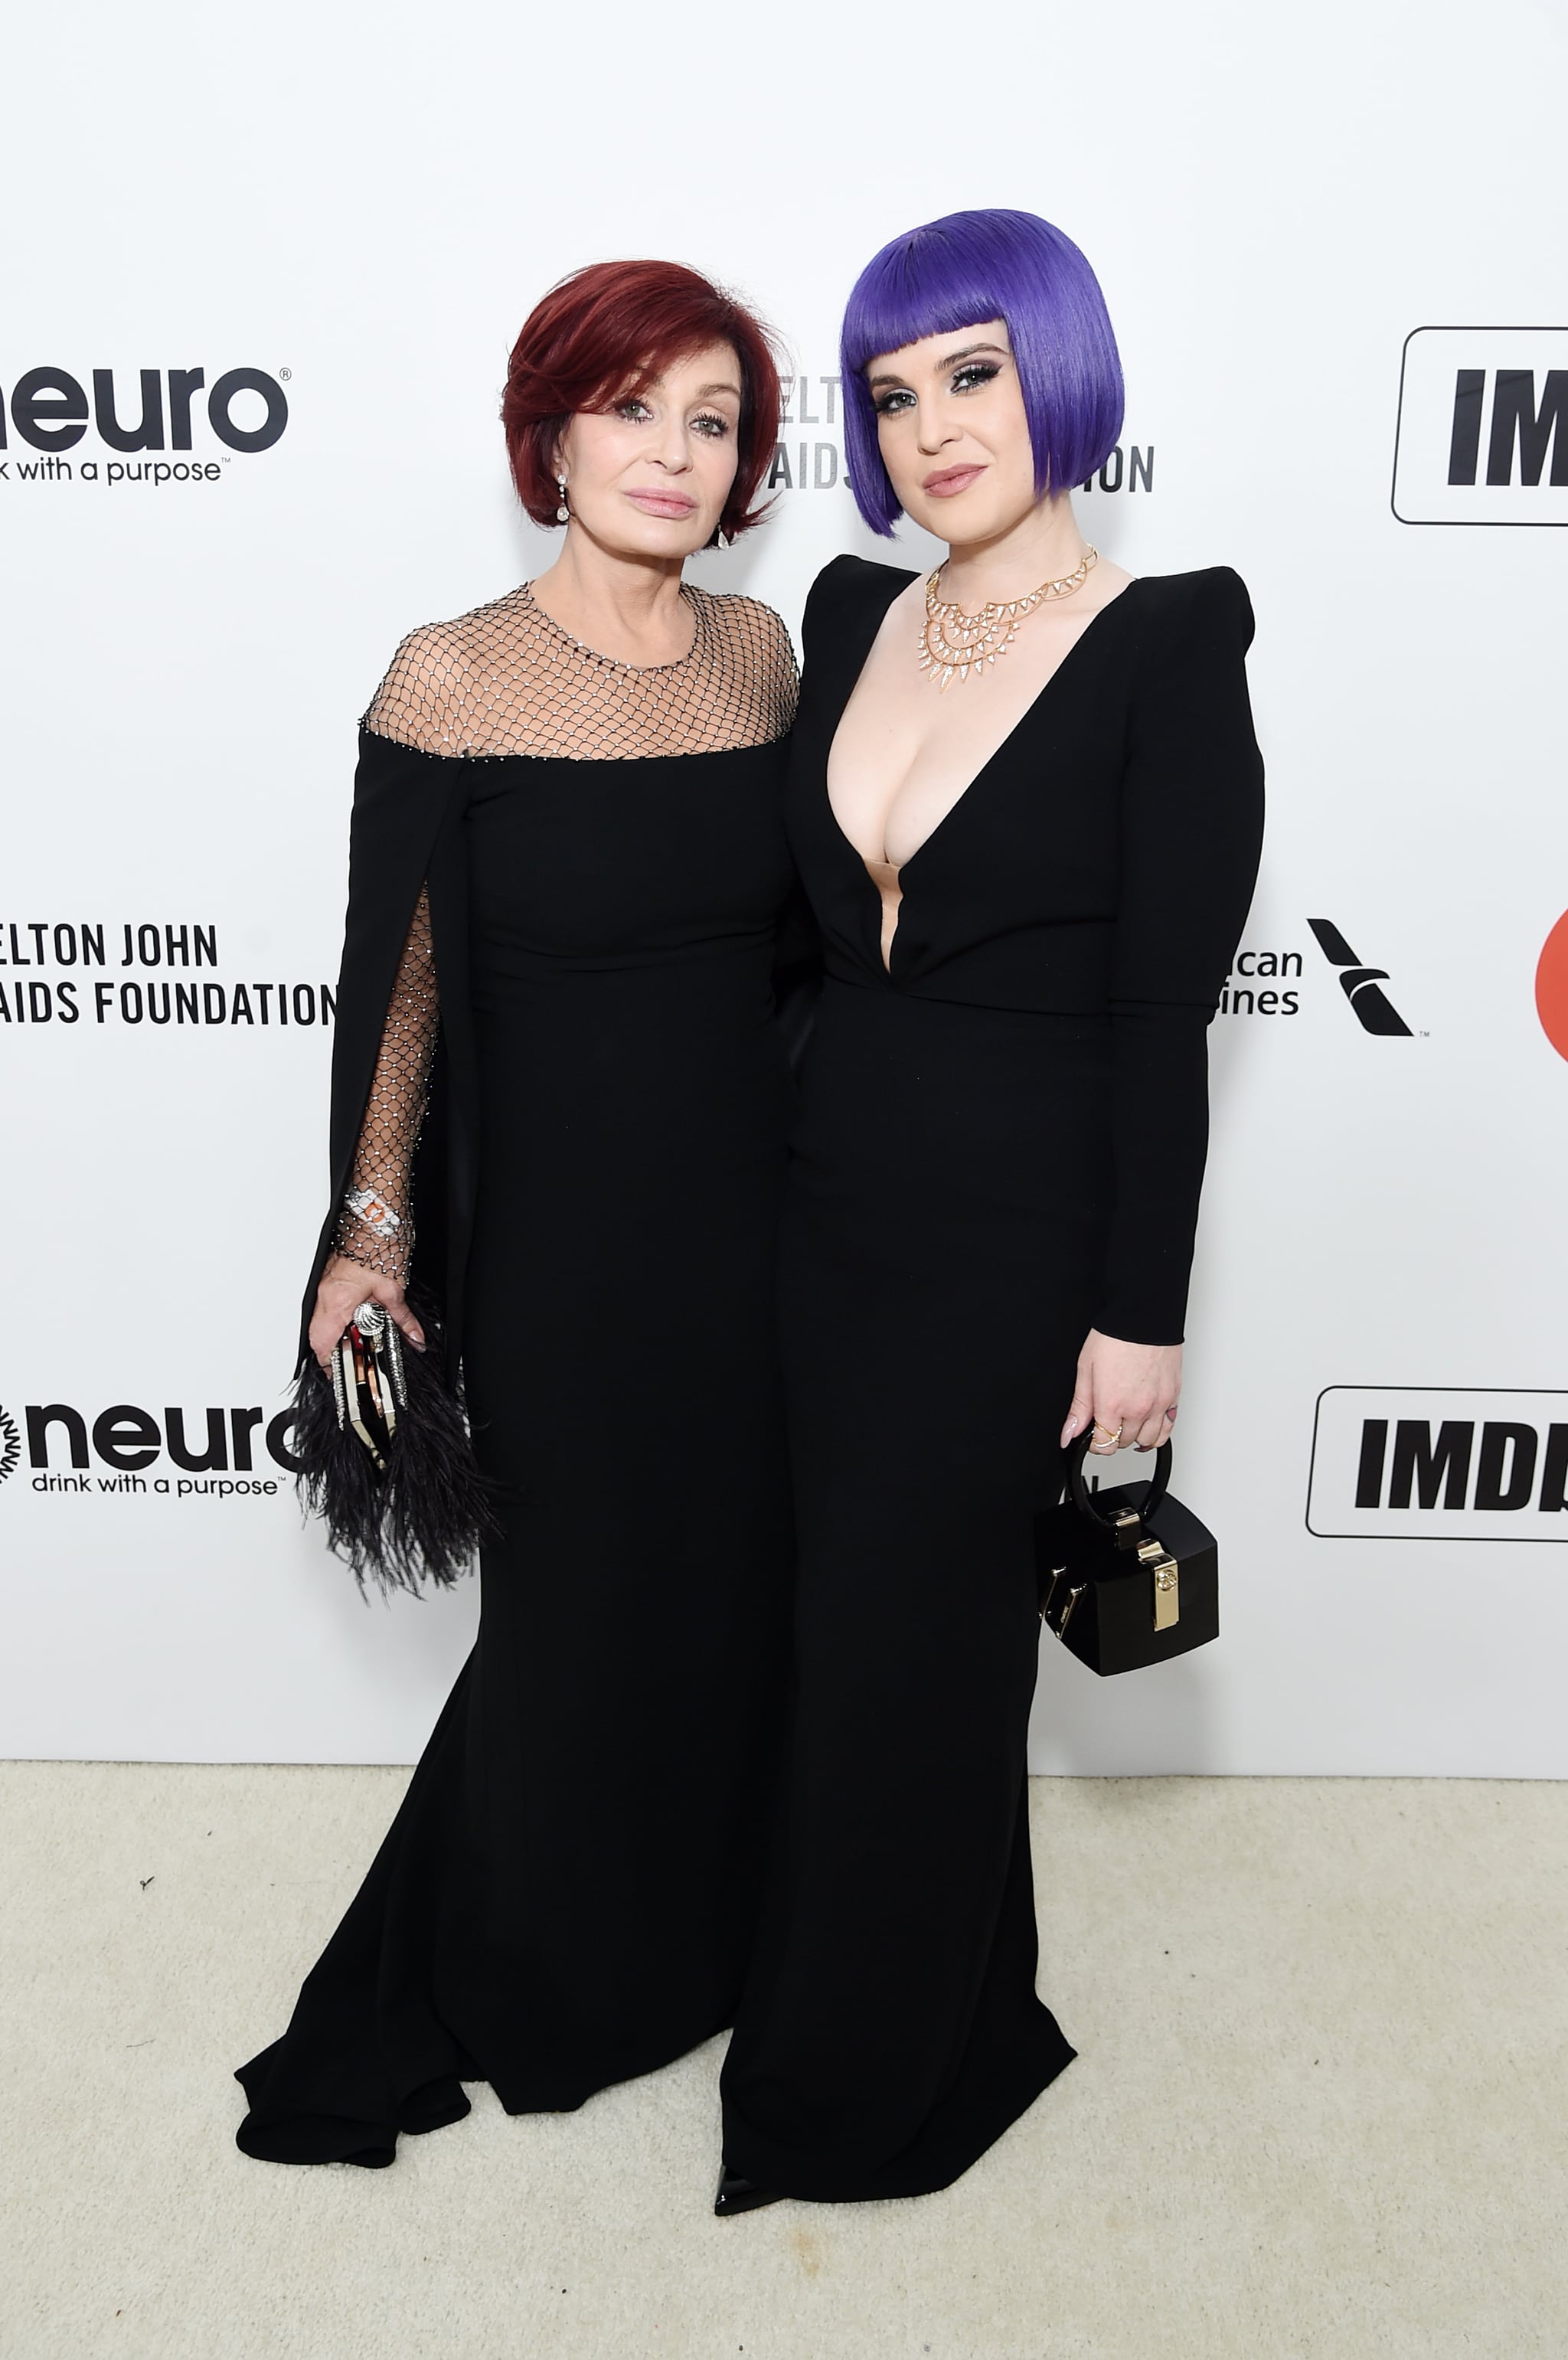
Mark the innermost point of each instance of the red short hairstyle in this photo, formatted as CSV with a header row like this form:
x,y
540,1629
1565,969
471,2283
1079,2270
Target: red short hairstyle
x,y
610,330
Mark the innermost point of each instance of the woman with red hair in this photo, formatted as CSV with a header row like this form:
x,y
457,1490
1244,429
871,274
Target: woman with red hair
x,y
567,883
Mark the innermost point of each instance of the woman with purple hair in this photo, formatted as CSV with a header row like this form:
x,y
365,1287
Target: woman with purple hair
x,y
1030,878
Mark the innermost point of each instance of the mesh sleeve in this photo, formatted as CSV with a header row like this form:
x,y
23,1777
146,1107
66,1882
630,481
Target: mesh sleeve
x,y
426,698
375,1226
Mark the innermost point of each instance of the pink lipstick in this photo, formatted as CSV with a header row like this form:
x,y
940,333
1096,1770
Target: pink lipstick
x,y
950,481
663,504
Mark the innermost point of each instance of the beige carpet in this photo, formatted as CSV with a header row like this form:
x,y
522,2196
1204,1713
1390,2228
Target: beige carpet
x,y
1322,2106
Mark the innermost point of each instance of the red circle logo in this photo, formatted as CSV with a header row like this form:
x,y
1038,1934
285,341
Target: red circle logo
x,y
1552,986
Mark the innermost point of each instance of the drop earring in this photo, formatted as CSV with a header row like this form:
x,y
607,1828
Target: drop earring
x,y
721,538
563,514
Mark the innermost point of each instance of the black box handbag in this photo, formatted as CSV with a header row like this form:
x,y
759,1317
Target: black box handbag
x,y
1127,1577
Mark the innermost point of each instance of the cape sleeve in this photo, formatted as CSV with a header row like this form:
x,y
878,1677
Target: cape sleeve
x,y
404,842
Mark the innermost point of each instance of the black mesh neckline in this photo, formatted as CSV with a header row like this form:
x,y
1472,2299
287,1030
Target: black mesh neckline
x,y
508,679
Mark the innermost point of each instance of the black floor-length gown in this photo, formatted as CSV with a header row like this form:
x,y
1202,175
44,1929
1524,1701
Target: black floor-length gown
x,y
1001,1145
567,1894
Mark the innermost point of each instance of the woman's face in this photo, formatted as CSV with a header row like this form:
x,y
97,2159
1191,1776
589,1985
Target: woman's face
x,y
952,433
650,475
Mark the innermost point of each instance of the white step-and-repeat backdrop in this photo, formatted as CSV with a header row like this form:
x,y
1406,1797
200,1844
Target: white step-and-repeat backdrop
x,y
262,274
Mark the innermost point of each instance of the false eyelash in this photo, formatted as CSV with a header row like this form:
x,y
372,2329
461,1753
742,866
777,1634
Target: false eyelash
x,y
978,372
883,405
635,401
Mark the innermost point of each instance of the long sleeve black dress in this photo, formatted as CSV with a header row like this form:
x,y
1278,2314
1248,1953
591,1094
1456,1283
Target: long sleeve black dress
x,y
1001,1145
582,865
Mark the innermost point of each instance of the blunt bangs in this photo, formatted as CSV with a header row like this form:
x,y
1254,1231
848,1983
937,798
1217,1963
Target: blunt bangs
x,y
989,264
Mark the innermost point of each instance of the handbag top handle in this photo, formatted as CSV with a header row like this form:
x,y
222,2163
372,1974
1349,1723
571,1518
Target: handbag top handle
x,y
1084,1499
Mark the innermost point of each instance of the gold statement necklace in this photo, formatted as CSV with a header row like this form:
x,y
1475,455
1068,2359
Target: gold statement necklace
x,y
954,644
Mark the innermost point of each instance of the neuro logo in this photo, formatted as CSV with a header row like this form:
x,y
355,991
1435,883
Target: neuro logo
x,y
1361,985
171,410
1552,987
209,1454
1482,434
50,410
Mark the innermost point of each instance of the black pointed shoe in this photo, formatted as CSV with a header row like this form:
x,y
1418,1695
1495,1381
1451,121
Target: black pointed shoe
x,y
738,2195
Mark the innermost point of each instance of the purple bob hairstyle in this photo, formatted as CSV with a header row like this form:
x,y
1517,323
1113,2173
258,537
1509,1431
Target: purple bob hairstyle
x,y
956,273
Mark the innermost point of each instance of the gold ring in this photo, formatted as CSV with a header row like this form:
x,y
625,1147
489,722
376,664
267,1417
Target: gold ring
x,y
1110,1437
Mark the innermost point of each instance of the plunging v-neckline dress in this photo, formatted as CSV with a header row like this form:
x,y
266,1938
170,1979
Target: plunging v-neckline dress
x,y
890,895
1001,1145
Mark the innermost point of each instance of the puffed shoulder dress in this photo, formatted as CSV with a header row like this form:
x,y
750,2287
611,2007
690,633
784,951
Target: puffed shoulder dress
x,y
568,880
1001,1146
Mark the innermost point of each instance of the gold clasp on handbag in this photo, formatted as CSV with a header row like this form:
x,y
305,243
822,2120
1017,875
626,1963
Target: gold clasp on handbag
x,y
1167,1583
1058,1575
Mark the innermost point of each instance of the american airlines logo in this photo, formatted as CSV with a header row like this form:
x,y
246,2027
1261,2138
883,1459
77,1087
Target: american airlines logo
x,y
1482,434
1362,986
1397,1463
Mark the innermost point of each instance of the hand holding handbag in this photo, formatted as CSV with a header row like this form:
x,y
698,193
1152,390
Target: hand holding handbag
x,y
1127,1577
386,1456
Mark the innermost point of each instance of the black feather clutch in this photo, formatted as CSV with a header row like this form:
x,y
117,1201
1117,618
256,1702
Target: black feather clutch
x,y
387,1458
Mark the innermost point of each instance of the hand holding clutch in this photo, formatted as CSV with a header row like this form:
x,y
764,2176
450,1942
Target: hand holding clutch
x,y
345,1284
384,1449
